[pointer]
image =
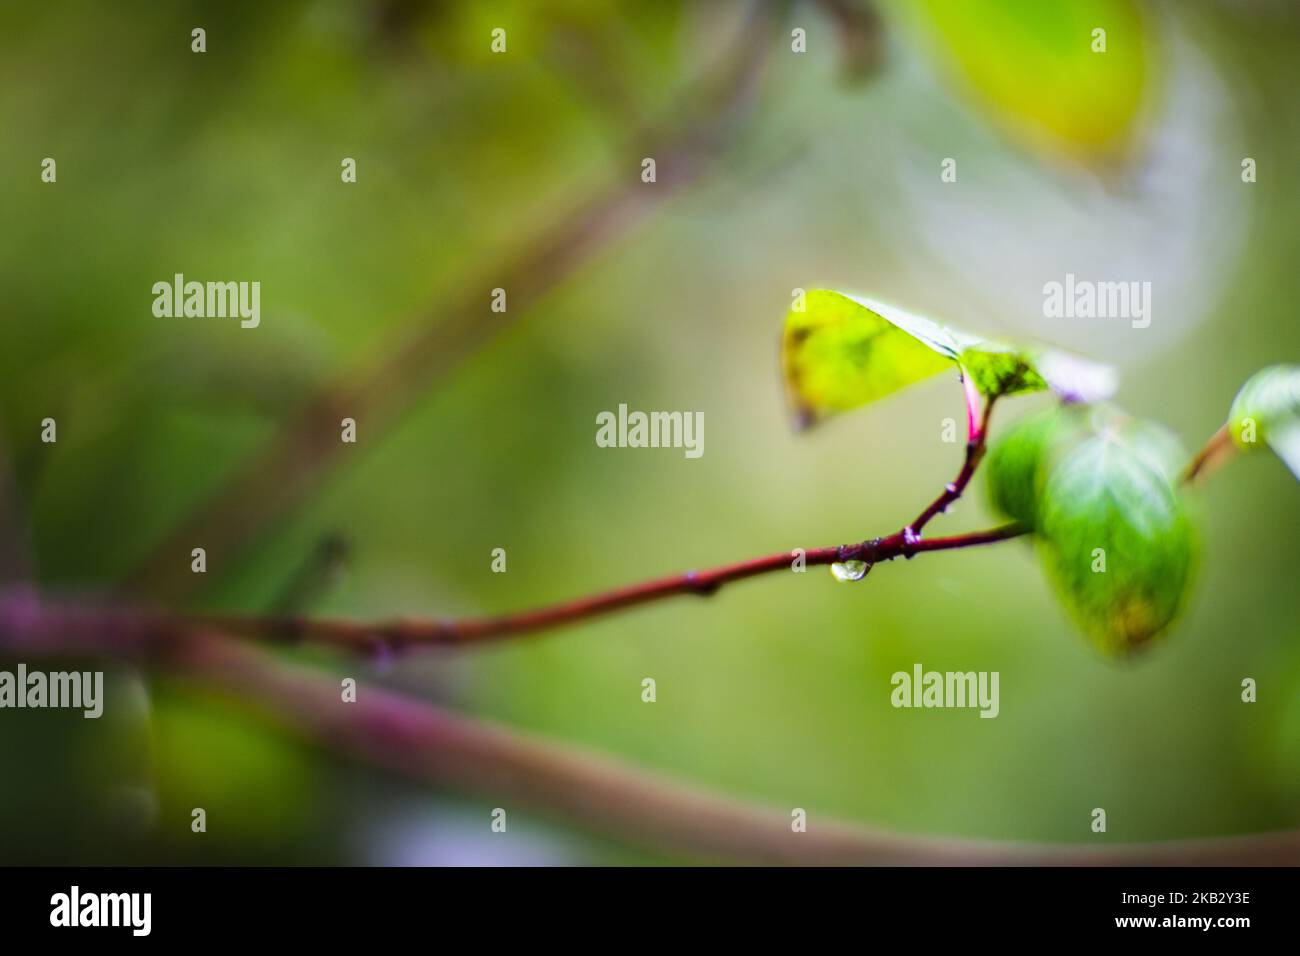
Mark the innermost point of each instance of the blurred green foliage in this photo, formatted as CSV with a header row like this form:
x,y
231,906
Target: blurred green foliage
x,y
1036,68
226,165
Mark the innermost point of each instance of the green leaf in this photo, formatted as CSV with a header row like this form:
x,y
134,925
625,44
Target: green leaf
x,y
1021,456
1153,443
840,351
1116,537
1032,66
1267,409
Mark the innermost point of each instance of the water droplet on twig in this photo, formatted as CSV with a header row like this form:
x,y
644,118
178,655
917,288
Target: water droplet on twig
x,y
850,570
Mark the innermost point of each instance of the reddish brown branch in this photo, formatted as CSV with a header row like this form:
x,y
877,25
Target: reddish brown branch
x,y
370,637
1214,453
401,634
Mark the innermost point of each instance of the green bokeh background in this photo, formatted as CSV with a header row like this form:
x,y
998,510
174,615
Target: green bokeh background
x,y
226,165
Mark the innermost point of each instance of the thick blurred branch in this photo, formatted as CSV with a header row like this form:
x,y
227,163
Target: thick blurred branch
x,y
414,739
263,489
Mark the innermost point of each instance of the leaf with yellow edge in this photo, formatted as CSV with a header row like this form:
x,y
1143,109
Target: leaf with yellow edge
x,y
840,351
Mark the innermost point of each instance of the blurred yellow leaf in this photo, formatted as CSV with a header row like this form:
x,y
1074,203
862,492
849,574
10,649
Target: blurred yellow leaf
x,y
1067,76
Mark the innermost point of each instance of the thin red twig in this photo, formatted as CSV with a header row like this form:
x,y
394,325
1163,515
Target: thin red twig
x,y
977,423
401,634
377,637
